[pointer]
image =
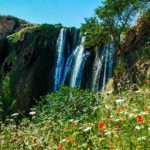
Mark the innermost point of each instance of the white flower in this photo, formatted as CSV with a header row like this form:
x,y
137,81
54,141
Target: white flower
x,y
87,129
108,133
148,128
32,113
144,113
139,127
71,120
116,120
138,91
141,138
131,115
135,110
124,112
62,140
107,106
120,101
15,114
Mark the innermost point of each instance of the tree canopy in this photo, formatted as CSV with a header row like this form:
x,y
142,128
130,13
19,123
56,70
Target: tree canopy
x,y
112,19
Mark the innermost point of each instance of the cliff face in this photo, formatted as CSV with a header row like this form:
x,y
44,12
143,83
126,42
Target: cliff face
x,y
134,65
29,64
10,24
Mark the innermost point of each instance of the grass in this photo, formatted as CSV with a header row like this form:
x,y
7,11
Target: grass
x,y
74,119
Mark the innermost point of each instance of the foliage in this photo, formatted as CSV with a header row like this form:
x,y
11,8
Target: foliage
x,y
94,32
49,26
7,102
20,34
115,18
118,122
146,15
77,100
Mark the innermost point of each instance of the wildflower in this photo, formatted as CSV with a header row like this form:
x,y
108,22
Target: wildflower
x,y
62,140
110,120
108,133
131,115
101,125
60,147
118,110
76,143
107,107
145,113
141,138
15,114
135,110
139,127
74,124
140,118
146,81
116,127
138,91
87,129
32,113
120,101
69,139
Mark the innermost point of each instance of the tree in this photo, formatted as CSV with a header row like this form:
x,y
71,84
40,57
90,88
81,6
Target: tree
x,y
115,18
94,32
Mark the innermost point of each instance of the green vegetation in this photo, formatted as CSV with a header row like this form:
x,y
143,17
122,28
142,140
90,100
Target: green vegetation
x,y
115,18
95,33
20,34
7,102
76,119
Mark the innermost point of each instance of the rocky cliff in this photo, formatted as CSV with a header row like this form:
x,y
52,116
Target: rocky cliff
x,y
134,64
10,24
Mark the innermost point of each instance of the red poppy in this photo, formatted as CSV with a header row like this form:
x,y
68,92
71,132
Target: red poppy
x,y
76,143
101,125
146,81
110,120
116,127
140,118
74,124
60,147
68,139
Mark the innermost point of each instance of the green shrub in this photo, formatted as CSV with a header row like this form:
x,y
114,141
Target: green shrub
x,y
7,102
68,103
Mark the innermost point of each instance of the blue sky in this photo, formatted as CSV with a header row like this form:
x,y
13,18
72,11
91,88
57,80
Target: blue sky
x,y
67,12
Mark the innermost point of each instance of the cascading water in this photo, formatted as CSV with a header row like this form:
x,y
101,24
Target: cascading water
x,y
78,65
60,58
109,53
98,63
102,67
105,67
68,63
71,63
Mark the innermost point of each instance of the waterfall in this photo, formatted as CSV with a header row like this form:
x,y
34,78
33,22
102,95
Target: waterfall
x,y
102,67
72,62
105,67
78,65
111,55
98,63
68,63
108,66
60,58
